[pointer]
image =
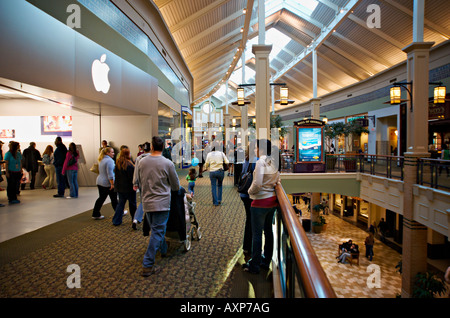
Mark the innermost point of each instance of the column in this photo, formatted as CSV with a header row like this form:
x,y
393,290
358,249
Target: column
x,y
315,108
414,252
315,102
262,90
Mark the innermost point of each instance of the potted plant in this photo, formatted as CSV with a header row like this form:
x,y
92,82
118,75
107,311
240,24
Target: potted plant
x,y
319,225
427,285
320,222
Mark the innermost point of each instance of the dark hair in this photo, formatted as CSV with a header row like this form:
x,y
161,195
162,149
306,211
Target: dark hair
x,y
13,148
157,143
264,146
146,146
73,148
192,173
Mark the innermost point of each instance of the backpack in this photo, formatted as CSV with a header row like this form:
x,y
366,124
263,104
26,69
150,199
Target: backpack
x,y
246,179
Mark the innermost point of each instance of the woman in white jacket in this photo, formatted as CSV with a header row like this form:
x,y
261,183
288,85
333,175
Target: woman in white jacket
x,y
262,191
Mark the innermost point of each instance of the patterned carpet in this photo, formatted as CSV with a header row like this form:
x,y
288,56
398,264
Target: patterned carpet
x,y
110,258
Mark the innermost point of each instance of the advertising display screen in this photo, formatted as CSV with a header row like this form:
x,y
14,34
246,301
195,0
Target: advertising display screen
x,y
56,125
310,144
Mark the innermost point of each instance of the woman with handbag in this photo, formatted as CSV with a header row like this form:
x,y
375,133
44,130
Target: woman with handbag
x,y
218,163
245,180
263,206
70,168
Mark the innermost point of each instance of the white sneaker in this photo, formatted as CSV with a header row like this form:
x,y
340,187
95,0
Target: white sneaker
x,y
125,212
101,217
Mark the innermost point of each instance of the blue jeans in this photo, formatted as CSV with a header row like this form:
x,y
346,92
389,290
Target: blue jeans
x,y
261,219
216,178
123,198
139,213
158,222
73,182
60,179
191,186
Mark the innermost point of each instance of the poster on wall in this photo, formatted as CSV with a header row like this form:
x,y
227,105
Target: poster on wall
x,y
310,144
7,133
56,125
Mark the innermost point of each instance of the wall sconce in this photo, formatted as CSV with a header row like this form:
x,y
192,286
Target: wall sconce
x,y
439,94
325,119
396,95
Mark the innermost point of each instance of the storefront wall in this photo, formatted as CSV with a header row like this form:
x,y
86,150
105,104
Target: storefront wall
x,y
48,59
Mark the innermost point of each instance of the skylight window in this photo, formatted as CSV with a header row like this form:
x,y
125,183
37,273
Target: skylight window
x,y
273,36
236,77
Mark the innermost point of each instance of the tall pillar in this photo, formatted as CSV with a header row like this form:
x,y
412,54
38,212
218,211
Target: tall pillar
x,y
414,252
262,82
244,109
315,108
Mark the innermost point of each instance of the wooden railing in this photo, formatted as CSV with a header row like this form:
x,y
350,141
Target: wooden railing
x,y
298,271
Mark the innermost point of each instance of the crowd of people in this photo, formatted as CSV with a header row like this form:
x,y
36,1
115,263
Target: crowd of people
x,y
60,166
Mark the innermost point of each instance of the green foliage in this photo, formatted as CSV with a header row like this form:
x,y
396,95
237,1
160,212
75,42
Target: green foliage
x,y
275,122
427,285
344,129
320,221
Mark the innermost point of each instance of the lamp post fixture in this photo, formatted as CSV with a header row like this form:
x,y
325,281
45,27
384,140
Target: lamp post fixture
x,y
395,93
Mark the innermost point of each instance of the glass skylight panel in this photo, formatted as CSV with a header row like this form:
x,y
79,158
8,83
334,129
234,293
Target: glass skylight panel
x,y
236,77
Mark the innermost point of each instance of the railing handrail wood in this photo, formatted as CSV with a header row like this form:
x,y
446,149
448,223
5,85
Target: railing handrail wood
x,y
312,275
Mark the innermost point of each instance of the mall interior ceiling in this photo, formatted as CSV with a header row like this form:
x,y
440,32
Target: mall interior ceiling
x,y
353,40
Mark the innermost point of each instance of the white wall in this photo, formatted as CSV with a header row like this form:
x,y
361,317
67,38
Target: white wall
x,y
24,117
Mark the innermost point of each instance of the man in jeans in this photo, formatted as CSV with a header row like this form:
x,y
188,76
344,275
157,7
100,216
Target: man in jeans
x,y
157,178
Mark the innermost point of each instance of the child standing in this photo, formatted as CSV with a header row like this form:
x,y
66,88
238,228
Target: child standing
x,y
191,178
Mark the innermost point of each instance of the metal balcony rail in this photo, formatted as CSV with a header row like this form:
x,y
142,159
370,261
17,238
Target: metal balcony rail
x,y
299,272
434,173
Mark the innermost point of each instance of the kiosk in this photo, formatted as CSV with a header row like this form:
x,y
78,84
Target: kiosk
x,y
310,155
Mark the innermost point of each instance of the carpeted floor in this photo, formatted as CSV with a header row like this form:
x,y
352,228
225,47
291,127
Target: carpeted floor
x,y
110,258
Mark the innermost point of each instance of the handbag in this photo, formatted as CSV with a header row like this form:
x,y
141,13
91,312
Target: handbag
x,y
225,166
72,161
245,181
94,168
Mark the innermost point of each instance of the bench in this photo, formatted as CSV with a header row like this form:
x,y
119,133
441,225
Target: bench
x,y
354,256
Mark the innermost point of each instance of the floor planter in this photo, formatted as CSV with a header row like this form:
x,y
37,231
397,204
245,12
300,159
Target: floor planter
x,y
350,165
317,228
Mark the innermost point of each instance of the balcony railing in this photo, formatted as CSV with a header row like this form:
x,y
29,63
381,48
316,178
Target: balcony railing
x,y
430,172
434,173
298,272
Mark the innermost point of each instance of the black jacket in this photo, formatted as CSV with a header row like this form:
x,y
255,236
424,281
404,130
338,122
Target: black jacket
x,y
59,155
123,181
30,159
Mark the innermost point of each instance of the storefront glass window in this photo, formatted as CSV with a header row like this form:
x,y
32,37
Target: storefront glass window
x,y
168,121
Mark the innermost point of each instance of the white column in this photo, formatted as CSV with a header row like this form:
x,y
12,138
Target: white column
x,y
418,20
261,22
315,102
262,90
244,109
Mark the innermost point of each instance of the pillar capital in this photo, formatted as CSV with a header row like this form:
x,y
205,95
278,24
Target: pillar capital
x,y
417,46
261,49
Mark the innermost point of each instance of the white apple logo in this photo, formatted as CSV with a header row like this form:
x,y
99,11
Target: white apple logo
x,y
100,72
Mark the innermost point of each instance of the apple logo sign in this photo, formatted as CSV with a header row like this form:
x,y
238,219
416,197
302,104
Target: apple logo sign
x,y
100,72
